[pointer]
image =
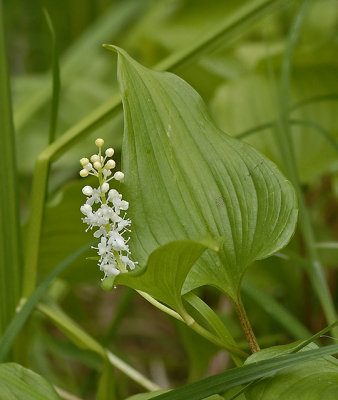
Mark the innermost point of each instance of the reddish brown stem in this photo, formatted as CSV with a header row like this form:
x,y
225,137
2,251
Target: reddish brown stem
x,y
244,320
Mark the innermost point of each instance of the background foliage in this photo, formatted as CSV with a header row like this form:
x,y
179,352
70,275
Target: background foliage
x,y
238,75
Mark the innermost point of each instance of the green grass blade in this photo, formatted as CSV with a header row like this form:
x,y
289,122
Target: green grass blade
x,y
20,318
54,108
315,99
10,244
238,376
317,127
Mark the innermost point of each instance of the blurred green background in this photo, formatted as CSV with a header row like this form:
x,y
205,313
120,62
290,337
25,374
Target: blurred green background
x,y
239,80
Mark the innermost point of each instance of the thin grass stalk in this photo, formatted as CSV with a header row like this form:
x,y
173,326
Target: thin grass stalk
x,y
10,244
54,107
284,140
104,113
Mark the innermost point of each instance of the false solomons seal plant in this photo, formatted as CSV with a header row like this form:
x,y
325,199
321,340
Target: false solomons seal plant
x,y
203,205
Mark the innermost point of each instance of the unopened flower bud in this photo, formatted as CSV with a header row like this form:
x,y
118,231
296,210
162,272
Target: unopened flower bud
x,y
84,161
88,166
99,142
84,173
87,190
97,165
118,175
110,164
110,152
105,187
94,158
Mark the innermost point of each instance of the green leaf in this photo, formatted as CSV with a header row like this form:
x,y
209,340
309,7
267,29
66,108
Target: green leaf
x,y
10,243
187,179
313,380
17,382
166,271
238,376
146,396
107,384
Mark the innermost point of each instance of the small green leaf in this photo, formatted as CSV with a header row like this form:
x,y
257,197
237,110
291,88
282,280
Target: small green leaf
x,y
17,382
312,380
166,271
187,179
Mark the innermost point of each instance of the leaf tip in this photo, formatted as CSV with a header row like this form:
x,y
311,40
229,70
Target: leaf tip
x,y
110,47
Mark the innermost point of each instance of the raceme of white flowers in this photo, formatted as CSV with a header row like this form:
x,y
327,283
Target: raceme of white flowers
x,y
105,211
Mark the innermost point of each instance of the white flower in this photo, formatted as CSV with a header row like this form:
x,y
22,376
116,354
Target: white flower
x,y
127,262
103,247
86,209
99,232
109,270
109,219
95,197
122,224
117,241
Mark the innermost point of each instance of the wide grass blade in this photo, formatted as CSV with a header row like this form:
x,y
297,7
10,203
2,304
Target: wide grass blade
x,y
238,376
10,244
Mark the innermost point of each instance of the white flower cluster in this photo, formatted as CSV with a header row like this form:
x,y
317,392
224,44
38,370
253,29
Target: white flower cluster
x,y
104,209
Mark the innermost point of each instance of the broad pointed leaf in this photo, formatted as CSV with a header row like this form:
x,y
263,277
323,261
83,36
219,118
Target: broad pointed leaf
x,y
17,382
166,271
187,179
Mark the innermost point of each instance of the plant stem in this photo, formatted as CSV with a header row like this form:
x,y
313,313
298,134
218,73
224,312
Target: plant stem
x,y
188,320
10,243
244,320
